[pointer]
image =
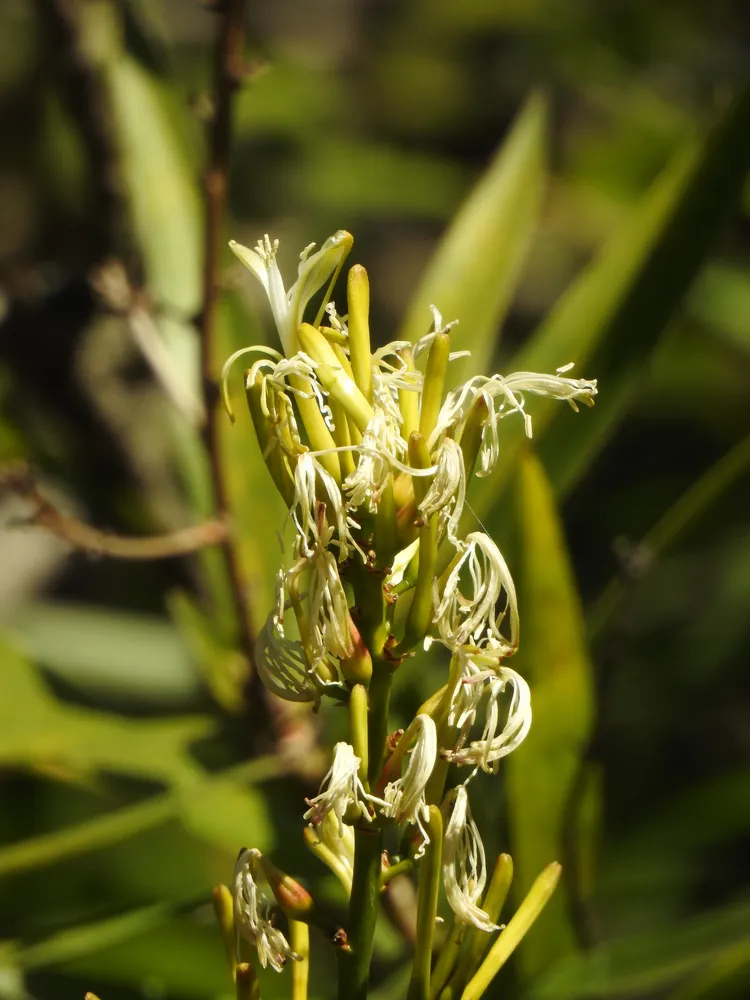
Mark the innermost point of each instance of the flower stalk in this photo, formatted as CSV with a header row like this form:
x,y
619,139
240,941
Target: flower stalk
x,y
373,459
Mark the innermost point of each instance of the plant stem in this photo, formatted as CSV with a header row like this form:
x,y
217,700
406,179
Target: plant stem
x,y
228,74
354,964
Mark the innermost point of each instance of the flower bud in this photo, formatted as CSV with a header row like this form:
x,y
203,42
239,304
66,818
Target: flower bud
x,y
292,897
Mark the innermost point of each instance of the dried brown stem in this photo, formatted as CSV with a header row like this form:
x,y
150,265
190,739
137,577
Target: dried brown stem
x,y
18,479
228,74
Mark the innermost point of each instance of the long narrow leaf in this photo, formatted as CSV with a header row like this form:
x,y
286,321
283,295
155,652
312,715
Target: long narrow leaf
x,y
474,272
554,660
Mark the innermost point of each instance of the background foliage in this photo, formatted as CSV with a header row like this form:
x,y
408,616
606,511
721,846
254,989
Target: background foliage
x,y
587,163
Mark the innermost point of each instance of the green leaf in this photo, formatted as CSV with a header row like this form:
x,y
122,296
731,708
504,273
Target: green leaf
x,y
541,772
223,667
626,299
257,511
609,320
109,653
474,271
646,962
38,731
220,809
688,508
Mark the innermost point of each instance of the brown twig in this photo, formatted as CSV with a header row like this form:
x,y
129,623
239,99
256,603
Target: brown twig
x,y
228,74
18,479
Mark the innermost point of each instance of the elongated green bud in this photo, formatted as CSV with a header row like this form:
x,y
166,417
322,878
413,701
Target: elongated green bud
x,y
354,432
224,910
419,617
479,941
427,901
471,436
271,450
434,383
358,300
447,957
333,376
358,727
299,938
318,435
509,939
408,399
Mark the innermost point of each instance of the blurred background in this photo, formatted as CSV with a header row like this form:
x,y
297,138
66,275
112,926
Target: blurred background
x,y
599,225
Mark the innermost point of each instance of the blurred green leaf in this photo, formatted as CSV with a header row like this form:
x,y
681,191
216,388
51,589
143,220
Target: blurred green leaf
x,y
692,505
38,731
219,808
646,962
554,660
474,271
85,939
148,950
108,652
645,277
368,179
223,667
609,320
228,816
257,511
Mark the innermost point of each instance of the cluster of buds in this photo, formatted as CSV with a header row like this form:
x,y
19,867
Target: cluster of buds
x,y
372,457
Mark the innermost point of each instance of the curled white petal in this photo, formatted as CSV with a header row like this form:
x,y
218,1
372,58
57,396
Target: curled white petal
x,y
471,617
504,395
311,517
479,685
464,863
405,797
447,493
314,270
251,915
341,788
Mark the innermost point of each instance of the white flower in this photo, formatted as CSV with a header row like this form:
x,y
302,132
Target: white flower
x,y
327,607
463,618
480,683
447,492
378,453
464,864
503,396
311,515
314,270
404,797
341,788
251,915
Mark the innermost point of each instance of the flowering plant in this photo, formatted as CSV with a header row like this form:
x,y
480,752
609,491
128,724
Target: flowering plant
x,y
372,457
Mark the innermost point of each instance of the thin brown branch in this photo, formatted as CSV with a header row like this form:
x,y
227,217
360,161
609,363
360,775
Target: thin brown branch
x,y
228,74
18,479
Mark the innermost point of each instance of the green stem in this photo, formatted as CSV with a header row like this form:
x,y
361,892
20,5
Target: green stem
x,y
354,963
429,888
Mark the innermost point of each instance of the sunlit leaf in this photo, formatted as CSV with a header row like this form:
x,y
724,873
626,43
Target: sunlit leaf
x,y
540,774
38,731
109,653
476,266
